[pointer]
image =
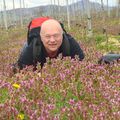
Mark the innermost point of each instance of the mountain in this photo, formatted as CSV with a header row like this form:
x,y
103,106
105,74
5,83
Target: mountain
x,y
29,13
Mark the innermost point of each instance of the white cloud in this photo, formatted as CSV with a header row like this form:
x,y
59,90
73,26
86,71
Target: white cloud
x,y
110,2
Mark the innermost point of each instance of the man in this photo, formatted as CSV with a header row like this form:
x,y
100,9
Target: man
x,y
53,41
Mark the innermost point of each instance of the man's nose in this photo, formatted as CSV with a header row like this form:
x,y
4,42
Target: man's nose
x,y
52,39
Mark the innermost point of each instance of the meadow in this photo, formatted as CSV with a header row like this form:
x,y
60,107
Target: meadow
x,y
66,89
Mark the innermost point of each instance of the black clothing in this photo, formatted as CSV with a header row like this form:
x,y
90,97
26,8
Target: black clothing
x,y
26,56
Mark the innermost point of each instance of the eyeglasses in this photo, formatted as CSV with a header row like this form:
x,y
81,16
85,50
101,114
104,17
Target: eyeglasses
x,y
48,37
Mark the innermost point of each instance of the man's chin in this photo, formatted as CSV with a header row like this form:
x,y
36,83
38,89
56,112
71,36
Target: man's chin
x,y
53,49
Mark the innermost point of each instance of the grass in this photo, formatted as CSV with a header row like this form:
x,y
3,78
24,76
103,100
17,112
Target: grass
x,y
4,95
12,35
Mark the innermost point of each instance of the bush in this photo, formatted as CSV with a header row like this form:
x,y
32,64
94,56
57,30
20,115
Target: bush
x,y
99,38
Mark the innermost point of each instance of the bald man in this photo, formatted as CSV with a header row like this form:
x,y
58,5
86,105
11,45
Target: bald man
x,y
51,41
51,36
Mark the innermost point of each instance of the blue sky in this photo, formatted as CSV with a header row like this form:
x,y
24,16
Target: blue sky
x,y
32,3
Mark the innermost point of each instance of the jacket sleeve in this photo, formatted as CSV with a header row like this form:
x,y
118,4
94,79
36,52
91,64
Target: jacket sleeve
x,y
26,56
75,48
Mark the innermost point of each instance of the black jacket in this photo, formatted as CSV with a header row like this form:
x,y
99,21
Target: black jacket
x,y
26,56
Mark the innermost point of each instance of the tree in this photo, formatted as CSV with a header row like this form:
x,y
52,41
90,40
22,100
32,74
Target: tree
x,y
59,6
87,8
5,15
103,12
108,9
21,17
118,9
51,8
73,10
54,10
14,16
68,15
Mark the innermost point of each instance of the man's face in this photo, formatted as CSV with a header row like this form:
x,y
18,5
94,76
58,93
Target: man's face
x,y
51,37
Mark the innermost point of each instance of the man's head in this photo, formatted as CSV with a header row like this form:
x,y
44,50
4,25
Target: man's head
x,y
51,35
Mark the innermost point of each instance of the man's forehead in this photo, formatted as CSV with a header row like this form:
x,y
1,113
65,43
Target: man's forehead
x,y
50,21
51,24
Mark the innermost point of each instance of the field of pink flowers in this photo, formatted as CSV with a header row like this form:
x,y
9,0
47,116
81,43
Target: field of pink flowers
x,y
64,89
